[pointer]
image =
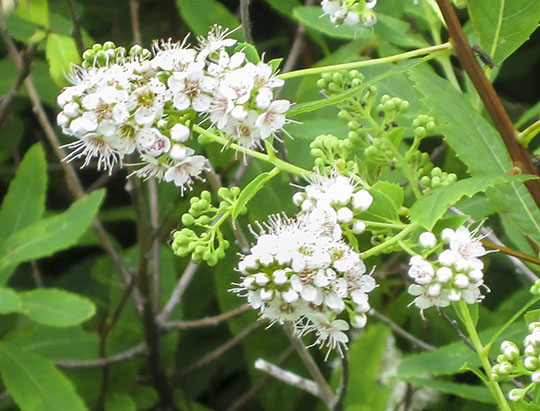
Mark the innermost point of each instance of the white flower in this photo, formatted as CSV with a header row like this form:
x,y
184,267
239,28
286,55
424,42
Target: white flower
x,y
273,119
183,172
180,133
362,200
421,271
152,142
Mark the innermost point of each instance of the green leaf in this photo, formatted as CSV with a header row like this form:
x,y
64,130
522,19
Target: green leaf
x,y
450,358
36,11
61,52
34,383
56,308
503,25
383,207
249,192
9,301
24,202
284,6
467,391
480,147
200,15
397,32
430,207
69,343
366,357
393,191
119,402
10,135
311,17
532,316
52,234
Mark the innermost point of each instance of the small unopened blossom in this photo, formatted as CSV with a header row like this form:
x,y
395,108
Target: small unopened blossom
x,y
427,239
300,271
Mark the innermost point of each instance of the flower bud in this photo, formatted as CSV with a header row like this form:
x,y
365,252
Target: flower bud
x,y
427,239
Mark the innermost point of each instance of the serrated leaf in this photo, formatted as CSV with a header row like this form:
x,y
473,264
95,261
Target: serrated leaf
x,y
56,308
34,383
467,391
9,301
52,234
24,202
479,146
200,15
36,11
430,207
393,191
503,25
61,52
449,359
249,191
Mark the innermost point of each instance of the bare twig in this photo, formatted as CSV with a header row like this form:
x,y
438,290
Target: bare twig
x,y
288,377
244,17
250,394
296,48
76,28
36,275
325,392
453,323
24,71
102,362
154,222
206,322
218,352
178,291
487,93
398,330
342,392
135,24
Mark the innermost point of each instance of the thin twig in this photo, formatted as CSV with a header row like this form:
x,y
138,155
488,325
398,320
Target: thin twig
x,y
218,352
106,329
135,24
296,48
36,275
178,291
154,222
251,393
453,323
206,322
398,330
244,17
76,27
511,252
494,107
102,362
325,391
288,377
342,391
24,71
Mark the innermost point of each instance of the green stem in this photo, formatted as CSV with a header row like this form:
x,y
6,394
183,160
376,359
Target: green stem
x,y
272,159
390,242
526,136
366,63
384,225
493,386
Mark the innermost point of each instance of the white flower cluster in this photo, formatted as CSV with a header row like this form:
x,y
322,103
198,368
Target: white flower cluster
x,y
302,272
339,196
511,363
140,104
455,275
351,13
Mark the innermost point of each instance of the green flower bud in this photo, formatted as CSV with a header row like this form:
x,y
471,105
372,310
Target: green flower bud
x,y
187,219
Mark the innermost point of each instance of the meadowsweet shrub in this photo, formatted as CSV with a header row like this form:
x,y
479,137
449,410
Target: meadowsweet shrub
x,y
358,210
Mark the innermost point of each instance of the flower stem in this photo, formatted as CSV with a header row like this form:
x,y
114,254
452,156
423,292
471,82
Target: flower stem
x,y
526,136
483,353
272,159
366,63
390,242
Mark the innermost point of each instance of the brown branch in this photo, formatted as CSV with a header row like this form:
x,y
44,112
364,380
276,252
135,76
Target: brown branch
x,y
102,362
76,28
494,107
135,24
206,322
512,252
246,23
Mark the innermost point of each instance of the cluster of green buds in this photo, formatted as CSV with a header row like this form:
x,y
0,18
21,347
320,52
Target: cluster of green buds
x,y
331,152
389,110
101,55
437,178
206,242
340,81
511,363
